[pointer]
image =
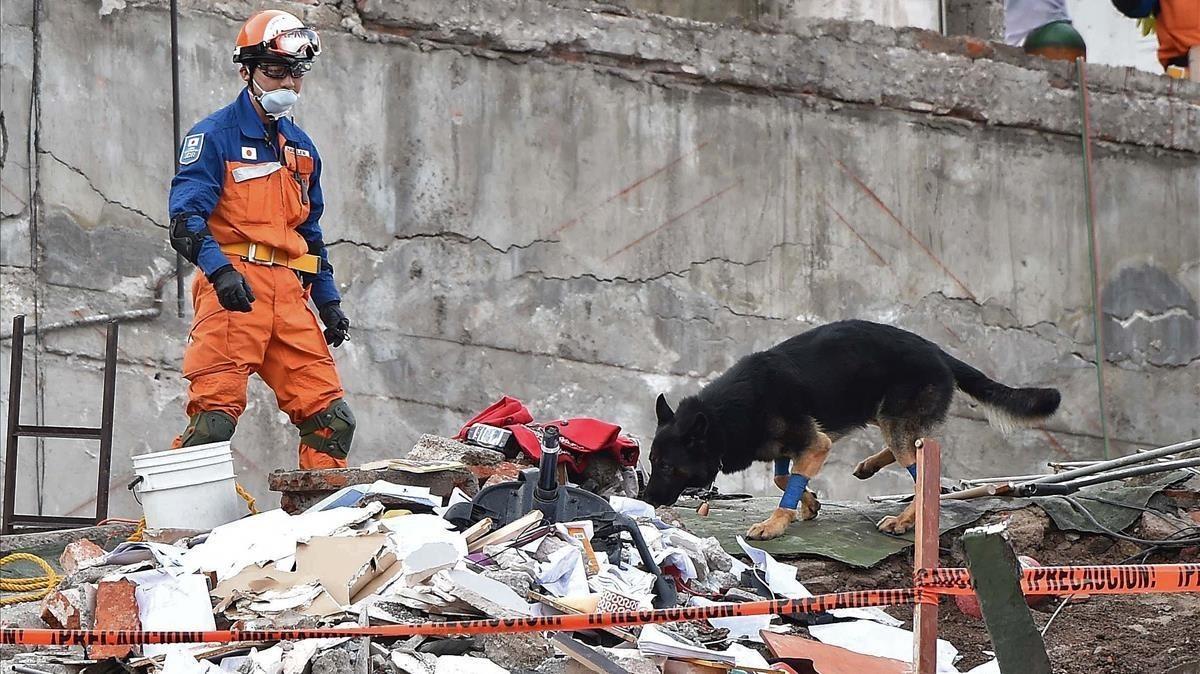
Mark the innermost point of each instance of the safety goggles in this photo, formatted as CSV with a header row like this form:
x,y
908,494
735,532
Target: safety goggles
x,y
278,71
300,43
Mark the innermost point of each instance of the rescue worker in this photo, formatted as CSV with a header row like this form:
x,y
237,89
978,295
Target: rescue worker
x,y
245,207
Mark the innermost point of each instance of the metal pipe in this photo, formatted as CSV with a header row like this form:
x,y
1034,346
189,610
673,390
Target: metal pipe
x,y
1119,462
1071,486
1093,249
106,421
1135,471
15,364
175,152
999,480
548,467
120,316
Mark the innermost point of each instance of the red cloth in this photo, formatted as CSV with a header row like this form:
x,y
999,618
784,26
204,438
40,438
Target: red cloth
x,y
580,436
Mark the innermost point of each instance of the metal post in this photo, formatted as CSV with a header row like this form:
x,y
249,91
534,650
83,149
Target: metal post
x,y
14,421
928,503
1093,248
175,122
106,421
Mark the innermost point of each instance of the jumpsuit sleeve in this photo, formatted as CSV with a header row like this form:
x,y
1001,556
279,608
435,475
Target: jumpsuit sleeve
x,y
324,290
195,191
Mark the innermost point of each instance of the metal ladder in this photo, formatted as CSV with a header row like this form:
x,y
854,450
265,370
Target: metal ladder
x,y
16,430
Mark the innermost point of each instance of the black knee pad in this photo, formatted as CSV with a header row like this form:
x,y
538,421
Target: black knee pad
x,y
338,421
206,427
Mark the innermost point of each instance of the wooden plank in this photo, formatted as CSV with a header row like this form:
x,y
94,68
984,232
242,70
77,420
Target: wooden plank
x,y
587,656
995,575
478,529
507,532
925,615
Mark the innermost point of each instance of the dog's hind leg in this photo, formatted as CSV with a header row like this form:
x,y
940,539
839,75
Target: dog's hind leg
x,y
804,468
874,463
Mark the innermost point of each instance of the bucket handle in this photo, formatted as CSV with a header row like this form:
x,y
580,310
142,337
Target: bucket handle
x,y
135,482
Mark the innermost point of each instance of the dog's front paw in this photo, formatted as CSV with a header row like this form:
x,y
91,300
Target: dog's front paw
x,y
809,505
893,524
865,469
773,526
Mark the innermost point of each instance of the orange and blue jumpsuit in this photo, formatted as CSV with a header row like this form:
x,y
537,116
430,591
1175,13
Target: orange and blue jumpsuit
x,y
237,185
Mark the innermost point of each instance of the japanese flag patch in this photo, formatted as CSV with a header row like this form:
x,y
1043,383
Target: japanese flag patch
x,y
249,153
191,149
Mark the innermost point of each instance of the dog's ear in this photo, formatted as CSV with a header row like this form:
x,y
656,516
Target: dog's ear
x,y
699,429
663,410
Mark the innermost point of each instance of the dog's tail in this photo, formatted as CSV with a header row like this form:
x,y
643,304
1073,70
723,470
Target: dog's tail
x,y
1006,407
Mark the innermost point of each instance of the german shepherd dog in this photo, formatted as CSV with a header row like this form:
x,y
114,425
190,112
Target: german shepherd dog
x,y
795,400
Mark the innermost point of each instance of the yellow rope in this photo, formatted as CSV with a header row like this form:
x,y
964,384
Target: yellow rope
x,y
139,534
31,589
247,498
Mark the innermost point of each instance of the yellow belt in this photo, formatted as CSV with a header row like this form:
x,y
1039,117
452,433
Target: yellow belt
x,y
263,254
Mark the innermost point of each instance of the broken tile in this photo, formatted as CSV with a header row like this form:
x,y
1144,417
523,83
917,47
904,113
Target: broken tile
x,y
116,609
829,659
78,552
423,562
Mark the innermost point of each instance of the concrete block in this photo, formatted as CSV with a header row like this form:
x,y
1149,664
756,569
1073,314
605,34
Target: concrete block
x,y
437,448
70,609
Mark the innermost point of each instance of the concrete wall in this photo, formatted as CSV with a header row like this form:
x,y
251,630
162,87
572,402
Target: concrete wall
x,y
583,209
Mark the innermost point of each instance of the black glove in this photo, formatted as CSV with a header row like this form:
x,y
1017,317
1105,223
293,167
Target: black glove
x,y
337,326
232,290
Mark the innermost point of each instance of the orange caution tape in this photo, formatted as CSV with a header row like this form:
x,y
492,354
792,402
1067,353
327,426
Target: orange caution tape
x,y
582,621
1124,579
1127,579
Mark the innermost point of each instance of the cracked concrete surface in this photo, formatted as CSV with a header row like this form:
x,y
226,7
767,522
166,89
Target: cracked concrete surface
x,y
584,208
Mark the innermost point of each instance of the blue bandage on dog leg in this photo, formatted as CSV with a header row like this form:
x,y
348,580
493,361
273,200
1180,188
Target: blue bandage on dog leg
x,y
783,466
912,470
795,489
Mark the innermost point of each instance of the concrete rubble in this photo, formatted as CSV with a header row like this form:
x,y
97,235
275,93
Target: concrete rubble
x,y
351,555
353,560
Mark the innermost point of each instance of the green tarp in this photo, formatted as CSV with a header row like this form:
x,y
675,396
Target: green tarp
x,y
846,531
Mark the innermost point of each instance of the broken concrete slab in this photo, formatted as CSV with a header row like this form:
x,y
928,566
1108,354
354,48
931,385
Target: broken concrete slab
x,y
333,661
490,596
70,609
517,651
437,448
519,581
302,488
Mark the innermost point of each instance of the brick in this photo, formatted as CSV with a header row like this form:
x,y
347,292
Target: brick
x,y
75,554
505,469
116,609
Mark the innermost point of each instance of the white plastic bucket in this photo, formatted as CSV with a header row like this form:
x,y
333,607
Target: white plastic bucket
x,y
188,488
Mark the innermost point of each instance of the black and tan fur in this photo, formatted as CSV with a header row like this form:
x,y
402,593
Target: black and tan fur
x,y
798,398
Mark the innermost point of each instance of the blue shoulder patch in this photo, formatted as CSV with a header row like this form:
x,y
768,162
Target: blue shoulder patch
x,y
191,149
